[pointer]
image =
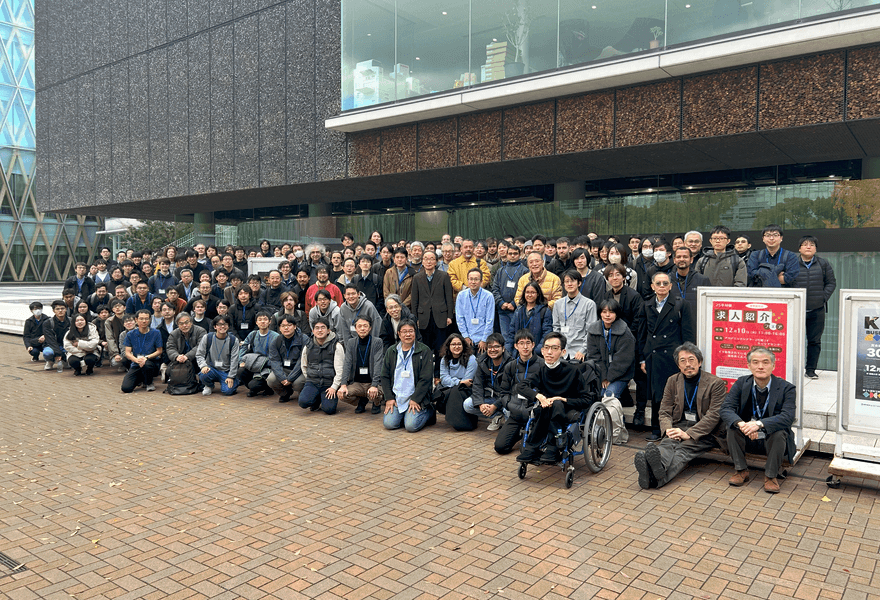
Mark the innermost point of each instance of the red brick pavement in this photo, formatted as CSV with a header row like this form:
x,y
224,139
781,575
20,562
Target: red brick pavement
x,y
106,495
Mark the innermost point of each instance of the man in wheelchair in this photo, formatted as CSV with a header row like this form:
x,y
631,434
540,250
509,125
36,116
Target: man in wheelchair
x,y
559,393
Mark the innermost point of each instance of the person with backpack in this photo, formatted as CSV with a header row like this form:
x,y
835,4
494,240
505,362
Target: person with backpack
x,y
217,357
323,360
54,330
773,266
253,361
181,349
816,276
721,263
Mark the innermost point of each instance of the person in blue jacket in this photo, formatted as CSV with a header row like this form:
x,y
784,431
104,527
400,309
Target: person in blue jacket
x,y
533,315
773,266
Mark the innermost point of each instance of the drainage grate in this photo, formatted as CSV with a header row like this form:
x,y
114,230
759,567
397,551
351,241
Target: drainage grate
x,y
11,563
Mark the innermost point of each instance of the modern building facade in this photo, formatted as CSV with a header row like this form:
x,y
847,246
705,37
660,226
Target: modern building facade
x,y
34,246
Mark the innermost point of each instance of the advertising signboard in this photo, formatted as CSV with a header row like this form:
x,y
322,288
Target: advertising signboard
x,y
859,369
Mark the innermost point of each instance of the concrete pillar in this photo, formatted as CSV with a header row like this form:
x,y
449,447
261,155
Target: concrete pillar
x,y
321,224
570,190
203,228
871,167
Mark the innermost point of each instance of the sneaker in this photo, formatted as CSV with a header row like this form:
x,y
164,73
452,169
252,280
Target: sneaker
x,y
641,464
529,454
639,418
151,388
495,424
550,455
285,397
252,393
60,366
162,368
811,375
207,391
48,366
654,437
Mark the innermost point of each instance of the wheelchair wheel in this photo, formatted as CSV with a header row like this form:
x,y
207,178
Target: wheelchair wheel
x,y
522,470
569,479
597,437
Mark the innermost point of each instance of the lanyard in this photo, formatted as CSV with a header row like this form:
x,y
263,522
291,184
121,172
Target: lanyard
x,y
222,346
507,273
186,341
366,353
243,315
809,264
759,415
678,283
693,398
407,357
493,373
142,343
565,309
526,375
606,333
529,322
583,285
474,309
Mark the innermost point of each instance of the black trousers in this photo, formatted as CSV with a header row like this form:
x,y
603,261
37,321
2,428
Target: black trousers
x,y
76,362
455,414
815,327
511,432
137,375
773,446
434,337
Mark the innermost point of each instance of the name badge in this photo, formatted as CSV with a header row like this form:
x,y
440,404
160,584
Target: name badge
x,y
475,321
690,417
404,374
762,435
161,291
511,284
287,363
565,329
363,371
353,330
245,325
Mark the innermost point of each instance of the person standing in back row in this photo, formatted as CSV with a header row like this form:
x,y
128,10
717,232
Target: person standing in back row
x,y
817,276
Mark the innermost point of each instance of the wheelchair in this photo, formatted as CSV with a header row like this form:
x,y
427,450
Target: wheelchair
x,y
588,435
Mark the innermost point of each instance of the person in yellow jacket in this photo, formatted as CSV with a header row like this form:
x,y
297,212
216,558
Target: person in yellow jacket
x,y
550,283
459,267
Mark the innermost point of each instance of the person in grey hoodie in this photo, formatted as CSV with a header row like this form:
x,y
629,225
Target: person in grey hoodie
x,y
326,307
217,357
355,306
721,264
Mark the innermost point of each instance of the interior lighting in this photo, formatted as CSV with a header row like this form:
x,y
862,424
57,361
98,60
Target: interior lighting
x,y
594,7
417,58
443,13
687,5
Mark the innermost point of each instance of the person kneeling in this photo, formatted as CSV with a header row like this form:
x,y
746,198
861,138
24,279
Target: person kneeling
x,y
558,387
322,361
407,376
758,414
690,420
217,357
489,385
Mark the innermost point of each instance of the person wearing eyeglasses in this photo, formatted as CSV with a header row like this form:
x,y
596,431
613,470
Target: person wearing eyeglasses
x,y
773,266
665,323
690,418
721,264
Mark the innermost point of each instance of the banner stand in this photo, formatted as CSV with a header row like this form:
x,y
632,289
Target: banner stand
x,y
858,395
733,320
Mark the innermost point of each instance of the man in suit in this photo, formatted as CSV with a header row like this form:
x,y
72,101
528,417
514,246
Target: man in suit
x,y
758,414
664,324
690,419
432,306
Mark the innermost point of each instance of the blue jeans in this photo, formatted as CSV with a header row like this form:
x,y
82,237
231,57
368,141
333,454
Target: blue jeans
x,y
505,318
412,421
312,395
615,388
213,376
49,354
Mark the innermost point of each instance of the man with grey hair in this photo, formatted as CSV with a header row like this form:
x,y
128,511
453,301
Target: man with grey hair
x,y
694,241
447,250
758,414
690,419
416,251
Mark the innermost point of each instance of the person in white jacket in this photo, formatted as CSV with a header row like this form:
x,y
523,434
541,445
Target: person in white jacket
x,y
81,345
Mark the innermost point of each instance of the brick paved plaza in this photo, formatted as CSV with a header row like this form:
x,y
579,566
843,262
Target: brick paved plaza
x,y
153,496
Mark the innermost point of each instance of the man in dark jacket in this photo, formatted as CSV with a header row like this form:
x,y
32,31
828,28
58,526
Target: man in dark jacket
x,y
721,264
685,281
513,405
504,285
690,419
54,330
817,277
758,414
488,388
285,355
773,266
33,331
369,283
432,305
407,376
362,368
81,283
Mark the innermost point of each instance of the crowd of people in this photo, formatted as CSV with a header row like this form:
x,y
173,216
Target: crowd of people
x,y
493,329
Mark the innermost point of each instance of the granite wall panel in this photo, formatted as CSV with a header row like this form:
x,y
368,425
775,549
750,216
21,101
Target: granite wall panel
x,y
175,11
139,84
199,86
120,138
178,120
649,114
222,85
479,138
243,7
722,103
103,136
81,43
802,91
246,102
44,112
137,26
220,11
198,13
863,83
398,149
272,97
69,126
68,39
100,32
365,150
300,88
585,122
85,136
54,104
158,123
528,130
157,25
438,144
330,145
118,30
42,52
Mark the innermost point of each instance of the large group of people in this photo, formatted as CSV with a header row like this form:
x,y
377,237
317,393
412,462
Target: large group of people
x,y
499,330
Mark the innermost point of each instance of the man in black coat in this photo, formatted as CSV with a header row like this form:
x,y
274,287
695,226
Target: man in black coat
x,y
663,325
432,306
758,414
817,277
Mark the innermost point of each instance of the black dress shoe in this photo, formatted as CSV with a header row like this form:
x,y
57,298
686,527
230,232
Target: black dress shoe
x,y
252,393
641,465
361,408
639,418
550,456
268,392
376,409
90,370
529,454
285,397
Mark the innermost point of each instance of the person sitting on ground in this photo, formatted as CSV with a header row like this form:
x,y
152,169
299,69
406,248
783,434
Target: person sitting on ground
x,y
54,330
253,359
362,369
183,341
217,357
489,388
285,355
458,366
33,331
758,414
322,362
690,418
143,349
407,378
513,404
555,389
82,345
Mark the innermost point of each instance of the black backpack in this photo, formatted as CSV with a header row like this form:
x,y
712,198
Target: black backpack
x,y
182,379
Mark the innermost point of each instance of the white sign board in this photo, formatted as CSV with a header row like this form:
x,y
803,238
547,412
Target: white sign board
x,y
261,265
858,351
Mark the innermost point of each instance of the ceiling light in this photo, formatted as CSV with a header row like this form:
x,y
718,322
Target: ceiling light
x,y
443,13
687,5
650,189
417,58
594,7
494,39
369,34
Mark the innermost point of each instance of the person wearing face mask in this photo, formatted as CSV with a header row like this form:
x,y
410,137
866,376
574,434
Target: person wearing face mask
x,y
618,255
592,284
642,264
33,331
662,260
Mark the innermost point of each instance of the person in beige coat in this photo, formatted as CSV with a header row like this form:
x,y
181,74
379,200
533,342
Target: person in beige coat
x,y
81,343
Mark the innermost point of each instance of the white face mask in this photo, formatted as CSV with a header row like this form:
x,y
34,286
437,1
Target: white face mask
x,y
647,253
37,312
660,256
614,260
298,254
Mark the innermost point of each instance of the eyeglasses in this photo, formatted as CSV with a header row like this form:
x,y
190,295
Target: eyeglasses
x,y
553,348
661,283
690,360
718,238
772,235
494,347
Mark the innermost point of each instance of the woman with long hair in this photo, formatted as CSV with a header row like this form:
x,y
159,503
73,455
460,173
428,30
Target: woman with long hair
x,y
458,366
533,315
618,254
81,344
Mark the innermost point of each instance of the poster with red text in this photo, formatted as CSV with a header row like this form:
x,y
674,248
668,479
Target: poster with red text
x,y
737,327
